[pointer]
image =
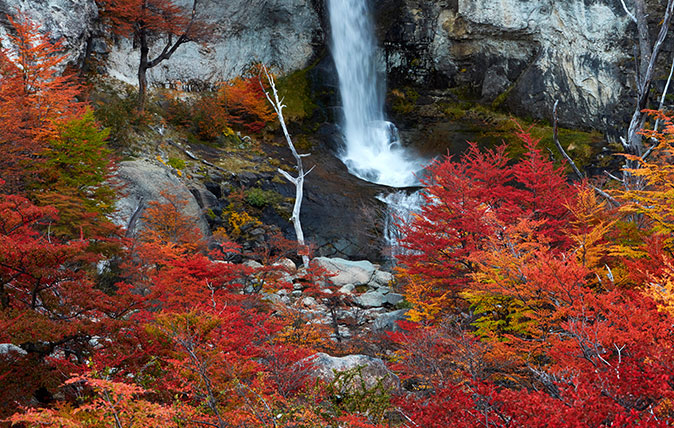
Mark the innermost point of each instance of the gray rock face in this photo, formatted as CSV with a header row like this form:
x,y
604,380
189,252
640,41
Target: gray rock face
x,y
372,370
278,33
389,321
529,52
71,21
532,51
143,182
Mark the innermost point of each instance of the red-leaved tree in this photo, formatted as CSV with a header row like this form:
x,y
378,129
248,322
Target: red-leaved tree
x,y
147,22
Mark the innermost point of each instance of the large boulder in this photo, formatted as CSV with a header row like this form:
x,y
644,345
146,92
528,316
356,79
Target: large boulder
x,y
143,182
371,371
346,271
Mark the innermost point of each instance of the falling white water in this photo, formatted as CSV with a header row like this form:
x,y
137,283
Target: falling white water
x,y
402,206
372,146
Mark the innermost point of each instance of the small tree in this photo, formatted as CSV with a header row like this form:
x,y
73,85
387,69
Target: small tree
x,y
149,21
34,98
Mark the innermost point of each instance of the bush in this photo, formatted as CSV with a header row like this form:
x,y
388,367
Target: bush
x,y
261,198
176,163
117,112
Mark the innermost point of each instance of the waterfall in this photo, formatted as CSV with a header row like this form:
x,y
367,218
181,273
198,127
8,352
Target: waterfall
x,y
402,206
372,148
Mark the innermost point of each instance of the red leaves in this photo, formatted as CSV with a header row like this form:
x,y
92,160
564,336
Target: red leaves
x,y
469,201
152,16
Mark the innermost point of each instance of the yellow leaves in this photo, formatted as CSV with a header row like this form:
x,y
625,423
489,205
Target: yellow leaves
x,y
661,288
653,199
588,227
239,219
427,302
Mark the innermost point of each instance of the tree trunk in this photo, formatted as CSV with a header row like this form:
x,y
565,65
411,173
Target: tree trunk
x,y
645,71
142,72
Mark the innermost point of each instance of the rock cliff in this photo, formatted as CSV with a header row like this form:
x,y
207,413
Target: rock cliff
x,y
525,53
284,33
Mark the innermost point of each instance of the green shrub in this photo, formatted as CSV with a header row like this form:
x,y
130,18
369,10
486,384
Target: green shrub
x,y
176,163
261,198
117,111
349,394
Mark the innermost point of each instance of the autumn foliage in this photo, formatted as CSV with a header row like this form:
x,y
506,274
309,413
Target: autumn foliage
x,y
237,105
34,99
558,301
534,301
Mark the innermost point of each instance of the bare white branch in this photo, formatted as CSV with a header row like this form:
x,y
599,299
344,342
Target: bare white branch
x,y
555,137
627,11
277,105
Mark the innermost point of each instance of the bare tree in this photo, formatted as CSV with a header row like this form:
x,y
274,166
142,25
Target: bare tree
x,y
646,55
645,61
277,105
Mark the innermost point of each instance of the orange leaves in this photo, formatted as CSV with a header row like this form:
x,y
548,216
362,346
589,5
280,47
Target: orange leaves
x,y
660,286
245,103
34,96
165,224
588,228
239,104
111,402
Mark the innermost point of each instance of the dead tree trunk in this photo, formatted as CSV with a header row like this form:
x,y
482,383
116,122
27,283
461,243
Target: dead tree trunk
x,y
298,181
645,61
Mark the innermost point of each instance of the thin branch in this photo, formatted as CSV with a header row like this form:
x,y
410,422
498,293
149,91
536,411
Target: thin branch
x,y
633,138
171,47
632,17
287,176
310,169
648,152
610,198
664,94
613,176
559,146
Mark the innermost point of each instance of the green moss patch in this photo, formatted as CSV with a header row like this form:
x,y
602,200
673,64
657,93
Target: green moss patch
x,y
491,128
296,93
